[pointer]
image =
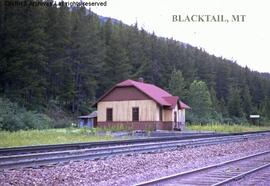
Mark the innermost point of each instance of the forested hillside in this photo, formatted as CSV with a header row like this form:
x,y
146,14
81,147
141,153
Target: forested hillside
x,y
70,57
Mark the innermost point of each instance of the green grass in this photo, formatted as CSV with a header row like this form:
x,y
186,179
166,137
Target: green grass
x,y
227,128
50,136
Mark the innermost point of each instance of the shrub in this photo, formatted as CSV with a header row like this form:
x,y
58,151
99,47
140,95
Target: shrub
x,y
33,120
87,131
12,123
13,117
61,123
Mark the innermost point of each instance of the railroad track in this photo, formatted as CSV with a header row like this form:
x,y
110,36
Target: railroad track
x,y
43,158
218,174
87,145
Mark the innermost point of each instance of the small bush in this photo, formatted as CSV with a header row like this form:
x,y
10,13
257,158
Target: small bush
x,y
12,123
13,118
87,131
61,123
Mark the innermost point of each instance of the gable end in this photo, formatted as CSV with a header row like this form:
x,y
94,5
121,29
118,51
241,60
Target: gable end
x,y
125,94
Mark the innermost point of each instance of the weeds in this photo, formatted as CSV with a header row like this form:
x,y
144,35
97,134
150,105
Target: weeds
x,y
117,127
49,136
216,127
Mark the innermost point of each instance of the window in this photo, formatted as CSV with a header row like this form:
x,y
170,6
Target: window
x,y
109,114
135,114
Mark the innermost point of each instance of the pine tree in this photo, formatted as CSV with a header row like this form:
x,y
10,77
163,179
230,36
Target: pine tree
x,y
117,67
247,103
71,56
59,40
265,108
217,110
234,103
86,57
223,108
200,101
24,54
222,81
177,84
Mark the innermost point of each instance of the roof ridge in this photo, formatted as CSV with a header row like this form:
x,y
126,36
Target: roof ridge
x,y
159,95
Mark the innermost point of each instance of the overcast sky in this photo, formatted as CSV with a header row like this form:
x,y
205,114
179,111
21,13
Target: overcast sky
x,y
247,42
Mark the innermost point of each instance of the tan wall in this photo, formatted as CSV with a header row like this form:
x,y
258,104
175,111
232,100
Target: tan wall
x,y
157,112
167,115
180,114
122,110
177,113
182,117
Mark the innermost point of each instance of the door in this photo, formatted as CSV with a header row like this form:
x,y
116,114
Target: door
x,y
90,123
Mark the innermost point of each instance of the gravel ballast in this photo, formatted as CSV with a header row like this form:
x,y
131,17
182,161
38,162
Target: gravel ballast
x,y
132,169
260,178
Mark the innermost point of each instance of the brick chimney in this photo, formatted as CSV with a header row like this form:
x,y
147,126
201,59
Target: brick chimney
x,y
141,79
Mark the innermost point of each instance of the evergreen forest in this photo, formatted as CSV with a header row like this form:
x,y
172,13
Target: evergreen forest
x,y
55,62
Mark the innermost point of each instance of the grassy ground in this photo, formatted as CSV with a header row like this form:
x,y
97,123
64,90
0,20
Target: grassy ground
x,y
227,128
73,135
50,136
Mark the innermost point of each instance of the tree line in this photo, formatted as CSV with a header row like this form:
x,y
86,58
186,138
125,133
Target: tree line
x,y
68,57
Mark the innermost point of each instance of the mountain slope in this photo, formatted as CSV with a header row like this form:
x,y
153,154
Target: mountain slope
x,y
71,57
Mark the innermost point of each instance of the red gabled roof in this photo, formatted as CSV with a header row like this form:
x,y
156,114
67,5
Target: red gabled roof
x,y
150,90
159,95
184,106
172,100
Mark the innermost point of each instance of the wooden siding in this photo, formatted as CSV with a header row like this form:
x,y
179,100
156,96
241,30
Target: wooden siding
x,y
122,110
167,115
157,113
124,94
182,117
175,110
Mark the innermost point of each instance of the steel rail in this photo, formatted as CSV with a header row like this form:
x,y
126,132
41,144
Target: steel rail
x,y
111,148
86,145
83,145
242,175
207,168
28,160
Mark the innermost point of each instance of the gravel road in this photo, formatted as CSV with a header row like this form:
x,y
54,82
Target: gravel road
x,y
131,169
